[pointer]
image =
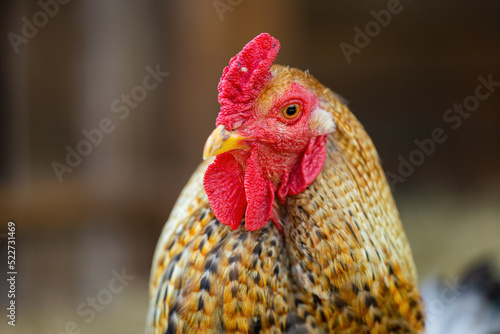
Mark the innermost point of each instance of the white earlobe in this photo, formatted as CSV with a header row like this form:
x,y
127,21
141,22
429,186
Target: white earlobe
x,y
321,121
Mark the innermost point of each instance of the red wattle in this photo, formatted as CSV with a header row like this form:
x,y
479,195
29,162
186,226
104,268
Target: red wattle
x,y
259,193
310,166
224,185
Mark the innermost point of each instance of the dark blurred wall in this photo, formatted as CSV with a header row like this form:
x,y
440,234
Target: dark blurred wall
x,y
5,101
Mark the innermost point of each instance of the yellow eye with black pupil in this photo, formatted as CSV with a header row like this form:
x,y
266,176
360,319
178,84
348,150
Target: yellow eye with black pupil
x,y
291,111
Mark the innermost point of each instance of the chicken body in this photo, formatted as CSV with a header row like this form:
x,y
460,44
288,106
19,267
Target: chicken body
x,y
341,264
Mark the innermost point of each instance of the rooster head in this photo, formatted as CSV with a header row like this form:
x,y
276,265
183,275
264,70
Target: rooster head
x,y
270,138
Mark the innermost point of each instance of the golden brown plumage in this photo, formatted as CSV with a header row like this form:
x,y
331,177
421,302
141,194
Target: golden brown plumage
x,y
342,263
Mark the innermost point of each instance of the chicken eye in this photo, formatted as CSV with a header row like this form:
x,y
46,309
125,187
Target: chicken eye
x,y
291,111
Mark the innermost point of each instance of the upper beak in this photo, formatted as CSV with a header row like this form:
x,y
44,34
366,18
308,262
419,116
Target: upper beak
x,y
221,141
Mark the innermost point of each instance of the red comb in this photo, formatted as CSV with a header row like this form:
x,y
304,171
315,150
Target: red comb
x,y
245,76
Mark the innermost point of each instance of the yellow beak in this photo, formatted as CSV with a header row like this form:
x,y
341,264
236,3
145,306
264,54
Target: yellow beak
x,y
221,141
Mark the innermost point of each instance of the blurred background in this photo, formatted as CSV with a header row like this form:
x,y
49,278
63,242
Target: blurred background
x,y
64,72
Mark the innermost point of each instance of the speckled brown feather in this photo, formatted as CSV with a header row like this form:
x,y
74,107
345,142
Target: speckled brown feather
x,y
342,265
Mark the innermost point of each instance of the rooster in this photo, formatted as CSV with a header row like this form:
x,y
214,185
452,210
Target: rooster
x,y
290,225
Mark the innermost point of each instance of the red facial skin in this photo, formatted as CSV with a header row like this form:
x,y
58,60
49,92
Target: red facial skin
x,y
284,155
284,158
